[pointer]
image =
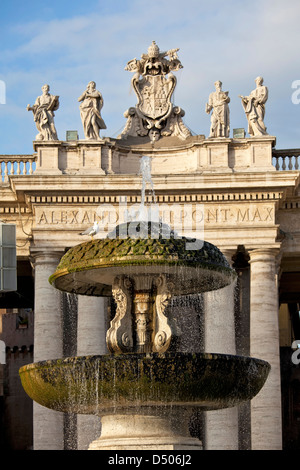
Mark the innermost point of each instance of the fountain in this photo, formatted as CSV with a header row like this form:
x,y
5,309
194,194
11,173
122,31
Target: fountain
x,y
145,389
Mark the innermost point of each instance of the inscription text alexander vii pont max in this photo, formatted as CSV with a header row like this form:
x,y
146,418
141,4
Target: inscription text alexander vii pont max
x,y
207,214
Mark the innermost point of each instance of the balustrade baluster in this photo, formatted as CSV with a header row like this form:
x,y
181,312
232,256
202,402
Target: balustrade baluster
x,y
283,162
286,160
16,165
5,173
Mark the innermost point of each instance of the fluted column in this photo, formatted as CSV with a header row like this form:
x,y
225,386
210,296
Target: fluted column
x,y
221,427
266,432
48,431
91,340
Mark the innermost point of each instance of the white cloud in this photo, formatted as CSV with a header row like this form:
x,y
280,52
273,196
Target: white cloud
x,y
230,41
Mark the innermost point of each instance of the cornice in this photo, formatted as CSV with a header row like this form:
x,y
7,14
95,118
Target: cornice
x,y
160,198
248,179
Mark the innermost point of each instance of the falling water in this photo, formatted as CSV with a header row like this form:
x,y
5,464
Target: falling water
x,y
142,213
145,171
186,313
69,306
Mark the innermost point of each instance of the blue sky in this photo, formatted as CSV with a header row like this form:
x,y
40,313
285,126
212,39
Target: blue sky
x,y
68,43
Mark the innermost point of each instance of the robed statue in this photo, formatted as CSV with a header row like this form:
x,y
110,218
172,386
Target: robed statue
x,y
43,112
254,107
218,104
90,112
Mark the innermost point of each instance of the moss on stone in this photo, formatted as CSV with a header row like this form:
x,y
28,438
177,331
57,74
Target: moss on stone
x,y
100,383
148,251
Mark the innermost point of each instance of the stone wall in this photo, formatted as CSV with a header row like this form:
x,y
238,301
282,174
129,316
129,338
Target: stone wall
x,y
16,423
17,419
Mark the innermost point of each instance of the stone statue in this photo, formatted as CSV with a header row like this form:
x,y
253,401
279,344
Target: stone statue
x,y
43,112
153,81
90,109
218,104
254,106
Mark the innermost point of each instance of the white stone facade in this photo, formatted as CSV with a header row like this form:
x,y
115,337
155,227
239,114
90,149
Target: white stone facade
x,y
236,198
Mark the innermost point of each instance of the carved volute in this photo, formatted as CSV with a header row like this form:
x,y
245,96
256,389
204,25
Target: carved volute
x,y
141,323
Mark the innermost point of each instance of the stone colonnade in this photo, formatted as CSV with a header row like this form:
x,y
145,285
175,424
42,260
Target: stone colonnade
x,y
48,332
91,340
221,427
264,343
48,425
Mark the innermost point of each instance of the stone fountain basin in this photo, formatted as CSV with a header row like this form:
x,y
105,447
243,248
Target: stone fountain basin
x,y
127,382
90,268
97,280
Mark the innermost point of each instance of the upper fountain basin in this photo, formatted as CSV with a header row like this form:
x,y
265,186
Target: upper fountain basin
x,y
193,266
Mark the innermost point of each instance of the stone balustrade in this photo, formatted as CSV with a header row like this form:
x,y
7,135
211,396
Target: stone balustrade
x,y
16,165
282,160
286,159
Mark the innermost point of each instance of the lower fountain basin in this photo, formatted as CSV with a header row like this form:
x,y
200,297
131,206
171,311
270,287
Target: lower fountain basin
x,y
130,382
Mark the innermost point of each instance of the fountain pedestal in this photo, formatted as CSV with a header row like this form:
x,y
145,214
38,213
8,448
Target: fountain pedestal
x,y
138,432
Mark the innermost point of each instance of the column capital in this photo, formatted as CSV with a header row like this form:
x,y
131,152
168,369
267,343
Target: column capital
x,y
45,255
228,253
263,254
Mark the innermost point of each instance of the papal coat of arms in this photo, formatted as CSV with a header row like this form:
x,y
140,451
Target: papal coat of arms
x,y
154,83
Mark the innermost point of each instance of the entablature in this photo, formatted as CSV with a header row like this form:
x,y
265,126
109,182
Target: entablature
x,y
234,202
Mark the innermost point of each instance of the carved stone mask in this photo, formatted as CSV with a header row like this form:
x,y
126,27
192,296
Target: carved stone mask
x,y
154,135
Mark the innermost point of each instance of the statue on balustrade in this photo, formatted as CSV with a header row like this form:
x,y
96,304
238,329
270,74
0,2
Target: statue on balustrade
x,y
43,112
254,107
90,112
218,104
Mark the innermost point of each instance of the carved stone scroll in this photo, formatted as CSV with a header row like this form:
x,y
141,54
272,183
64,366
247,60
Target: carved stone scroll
x,y
119,336
163,329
